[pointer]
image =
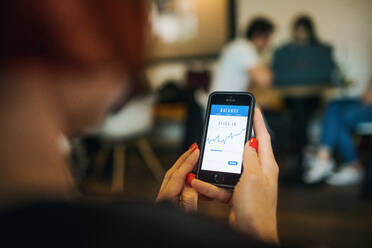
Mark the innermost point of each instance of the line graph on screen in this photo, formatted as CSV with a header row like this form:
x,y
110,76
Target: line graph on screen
x,y
220,139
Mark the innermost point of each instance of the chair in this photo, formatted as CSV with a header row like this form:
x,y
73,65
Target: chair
x,y
365,129
129,124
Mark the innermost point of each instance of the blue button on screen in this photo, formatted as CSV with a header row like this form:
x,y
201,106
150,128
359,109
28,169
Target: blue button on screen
x,y
232,163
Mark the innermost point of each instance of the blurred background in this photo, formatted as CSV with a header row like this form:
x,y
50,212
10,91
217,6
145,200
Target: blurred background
x,y
309,65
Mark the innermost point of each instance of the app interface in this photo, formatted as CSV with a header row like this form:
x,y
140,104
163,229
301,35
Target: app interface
x,y
224,144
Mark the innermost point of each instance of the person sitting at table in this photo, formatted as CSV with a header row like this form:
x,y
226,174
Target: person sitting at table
x,y
292,61
241,61
341,119
64,65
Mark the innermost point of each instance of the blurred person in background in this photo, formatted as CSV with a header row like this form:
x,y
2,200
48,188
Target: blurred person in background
x,y
341,119
304,31
303,91
64,66
241,62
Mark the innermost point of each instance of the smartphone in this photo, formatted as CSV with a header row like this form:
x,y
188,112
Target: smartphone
x,y
228,126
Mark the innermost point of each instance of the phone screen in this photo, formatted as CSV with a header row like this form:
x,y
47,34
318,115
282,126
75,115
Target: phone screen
x,y
225,138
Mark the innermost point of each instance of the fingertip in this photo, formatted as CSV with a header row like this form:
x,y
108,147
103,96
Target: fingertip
x,y
193,146
248,148
188,165
194,157
250,156
200,185
194,182
260,129
257,115
257,109
253,143
211,191
194,153
189,178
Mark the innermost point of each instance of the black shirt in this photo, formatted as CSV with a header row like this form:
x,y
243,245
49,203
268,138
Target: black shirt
x,y
121,224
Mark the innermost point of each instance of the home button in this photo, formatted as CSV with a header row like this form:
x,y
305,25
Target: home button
x,y
219,178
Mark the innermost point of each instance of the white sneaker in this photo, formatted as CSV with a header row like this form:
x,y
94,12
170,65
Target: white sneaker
x,y
310,157
346,176
319,169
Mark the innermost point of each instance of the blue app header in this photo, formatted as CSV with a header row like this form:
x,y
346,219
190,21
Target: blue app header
x,y
229,110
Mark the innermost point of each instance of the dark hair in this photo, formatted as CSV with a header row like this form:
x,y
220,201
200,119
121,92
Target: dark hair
x,y
108,30
307,23
259,26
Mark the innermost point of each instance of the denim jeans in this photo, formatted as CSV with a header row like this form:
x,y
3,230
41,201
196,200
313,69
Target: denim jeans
x,y
341,118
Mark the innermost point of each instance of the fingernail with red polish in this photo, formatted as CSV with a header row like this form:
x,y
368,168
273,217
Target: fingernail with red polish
x,y
193,147
189,178
253,143
258,107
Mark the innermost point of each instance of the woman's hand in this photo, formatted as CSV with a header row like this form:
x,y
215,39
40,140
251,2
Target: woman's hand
x,y
174,181
175,189
254,199
367,97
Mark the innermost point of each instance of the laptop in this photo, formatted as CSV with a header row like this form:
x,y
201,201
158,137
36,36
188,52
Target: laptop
x,y
296,65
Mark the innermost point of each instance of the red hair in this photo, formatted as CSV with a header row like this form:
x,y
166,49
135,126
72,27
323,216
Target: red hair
x,y
73,33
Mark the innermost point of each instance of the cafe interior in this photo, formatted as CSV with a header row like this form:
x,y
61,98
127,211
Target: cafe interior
x,y
305,89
